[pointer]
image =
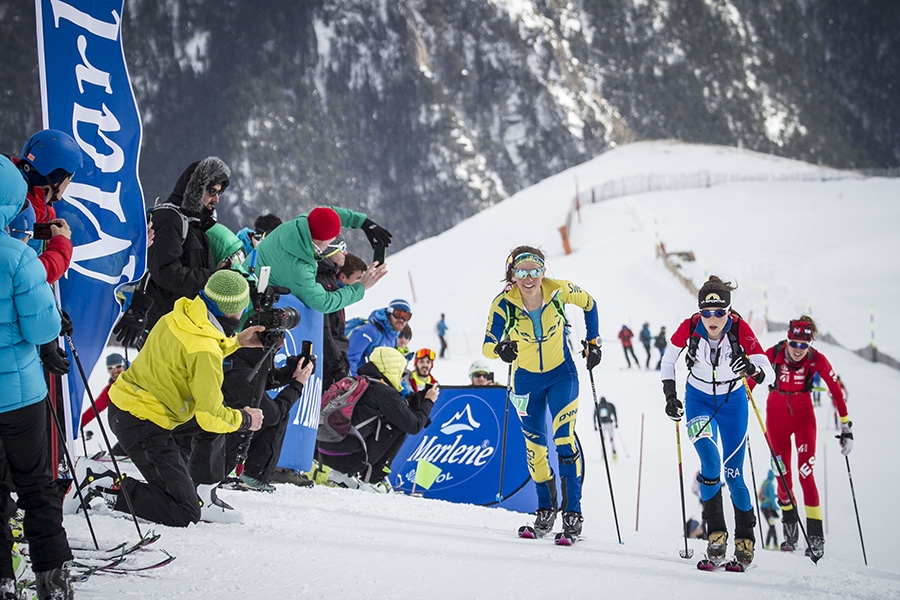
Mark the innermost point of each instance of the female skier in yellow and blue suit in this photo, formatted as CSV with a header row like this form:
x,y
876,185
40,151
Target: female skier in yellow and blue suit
x,y
527,327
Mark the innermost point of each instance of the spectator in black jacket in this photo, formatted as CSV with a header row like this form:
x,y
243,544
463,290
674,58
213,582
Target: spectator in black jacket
x,y
335,365
180,261
350,464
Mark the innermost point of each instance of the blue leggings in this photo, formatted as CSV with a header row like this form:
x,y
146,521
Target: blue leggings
x,y
556,390
729,425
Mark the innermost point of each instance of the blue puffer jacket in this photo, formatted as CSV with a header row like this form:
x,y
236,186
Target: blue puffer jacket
x,y
28,313
377,331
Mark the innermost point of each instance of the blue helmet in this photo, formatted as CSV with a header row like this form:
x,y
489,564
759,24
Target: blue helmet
x,y
50,154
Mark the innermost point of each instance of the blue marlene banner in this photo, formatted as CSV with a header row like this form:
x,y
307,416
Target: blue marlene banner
x,y
463,441
300,438
86,92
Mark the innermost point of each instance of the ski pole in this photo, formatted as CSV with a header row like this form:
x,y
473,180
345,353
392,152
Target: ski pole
x,y
637,509
621,441
778,468
115,463
856,510
612,496
755,489
687,552
505,429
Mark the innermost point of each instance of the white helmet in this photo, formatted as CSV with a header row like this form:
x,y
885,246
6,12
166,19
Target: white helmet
x,y
479,365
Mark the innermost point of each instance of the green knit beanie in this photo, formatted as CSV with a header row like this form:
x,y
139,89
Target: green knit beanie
x,y
229,290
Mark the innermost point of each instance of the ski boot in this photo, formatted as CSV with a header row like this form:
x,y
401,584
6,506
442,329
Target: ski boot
x,y
55,583
544,518
791,530
8,589
816,548
247,482
743,551
571,532
716,546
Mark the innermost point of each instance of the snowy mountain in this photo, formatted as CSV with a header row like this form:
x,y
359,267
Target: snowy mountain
x,y
424,112
331,543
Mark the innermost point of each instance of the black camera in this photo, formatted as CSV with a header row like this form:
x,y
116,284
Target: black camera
x,y
275,320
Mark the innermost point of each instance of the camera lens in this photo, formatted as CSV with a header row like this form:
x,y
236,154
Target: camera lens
x,y
290,318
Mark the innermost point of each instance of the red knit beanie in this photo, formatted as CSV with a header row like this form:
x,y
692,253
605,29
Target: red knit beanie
x,y
324,223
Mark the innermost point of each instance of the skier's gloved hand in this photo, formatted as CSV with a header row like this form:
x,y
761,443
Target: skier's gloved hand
x,y
376,234
846,438
132,326
674,407
591,352
54,358
507,351
66,324
741,365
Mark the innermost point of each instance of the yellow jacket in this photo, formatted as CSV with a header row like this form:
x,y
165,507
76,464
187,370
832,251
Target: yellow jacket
x,y
544,353
178,373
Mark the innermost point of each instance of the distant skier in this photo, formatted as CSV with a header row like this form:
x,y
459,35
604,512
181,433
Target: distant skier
x,y
605,412
660,342
721,350
790,412
442,328
625,336
769,507
646,337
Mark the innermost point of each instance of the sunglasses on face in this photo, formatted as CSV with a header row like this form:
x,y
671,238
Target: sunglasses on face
x,y
798,345
480,375
214,192
533,273
399,313
718,313
425,353
115,367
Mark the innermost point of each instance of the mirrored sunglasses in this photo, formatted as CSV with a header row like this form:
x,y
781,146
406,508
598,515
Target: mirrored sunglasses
x,y
399,313
798,345
718,313
425,353
533,273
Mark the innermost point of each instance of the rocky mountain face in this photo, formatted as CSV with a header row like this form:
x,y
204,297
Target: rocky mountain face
x,y
423,112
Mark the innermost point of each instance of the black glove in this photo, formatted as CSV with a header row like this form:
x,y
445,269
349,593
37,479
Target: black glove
x,y
674,407
592,353
376,234
66,326
741,364
54,358
132,326
507,351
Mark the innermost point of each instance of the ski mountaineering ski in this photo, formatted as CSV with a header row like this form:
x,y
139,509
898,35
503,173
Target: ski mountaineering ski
x,y
528,532
733,565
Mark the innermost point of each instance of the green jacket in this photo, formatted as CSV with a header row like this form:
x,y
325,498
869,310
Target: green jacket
x,y
290,253
178,373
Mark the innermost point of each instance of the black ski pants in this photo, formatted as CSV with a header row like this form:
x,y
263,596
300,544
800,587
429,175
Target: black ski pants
x,y
169,495
381,453
25,463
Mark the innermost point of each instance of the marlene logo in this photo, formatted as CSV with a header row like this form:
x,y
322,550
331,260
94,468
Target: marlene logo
x,y
461,421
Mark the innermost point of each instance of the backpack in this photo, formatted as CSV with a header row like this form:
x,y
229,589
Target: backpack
x,y
512,316
694,339
337,407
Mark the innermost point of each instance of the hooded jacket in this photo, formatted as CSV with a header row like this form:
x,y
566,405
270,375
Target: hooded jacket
x,y
178,373
179,265
28,313
290,253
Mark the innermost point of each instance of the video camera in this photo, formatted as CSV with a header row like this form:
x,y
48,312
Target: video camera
x,y
275,320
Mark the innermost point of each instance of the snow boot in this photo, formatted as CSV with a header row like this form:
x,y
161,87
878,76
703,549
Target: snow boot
x,y
8,589
215,510
55,584
572,522
816,548
544,518
791,528
282,475
252,483
717,546
743,550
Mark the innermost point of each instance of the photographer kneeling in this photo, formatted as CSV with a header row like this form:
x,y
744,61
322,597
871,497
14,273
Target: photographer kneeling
x,y
384,418
177,376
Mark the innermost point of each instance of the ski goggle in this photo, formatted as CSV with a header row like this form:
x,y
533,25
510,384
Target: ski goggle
x,y
399,313
425,353
338,245
533,273
718,313
798,345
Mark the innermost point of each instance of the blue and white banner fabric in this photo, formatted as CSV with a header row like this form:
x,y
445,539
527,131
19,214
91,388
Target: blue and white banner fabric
x,y
86,92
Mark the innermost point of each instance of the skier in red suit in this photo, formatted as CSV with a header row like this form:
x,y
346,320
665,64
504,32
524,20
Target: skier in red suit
x,y
789,411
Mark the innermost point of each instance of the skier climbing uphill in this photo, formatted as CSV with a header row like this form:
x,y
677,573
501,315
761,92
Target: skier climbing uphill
x,y
789,411
721,350
527,327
